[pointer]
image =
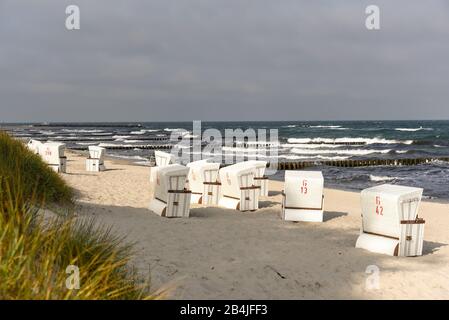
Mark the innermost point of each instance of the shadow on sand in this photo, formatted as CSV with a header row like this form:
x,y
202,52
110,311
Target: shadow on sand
x,y
330,215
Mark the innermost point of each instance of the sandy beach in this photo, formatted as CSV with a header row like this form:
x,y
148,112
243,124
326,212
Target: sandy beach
x,y
225,254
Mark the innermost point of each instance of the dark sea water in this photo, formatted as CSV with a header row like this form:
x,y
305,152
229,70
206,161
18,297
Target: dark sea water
x,y
298,141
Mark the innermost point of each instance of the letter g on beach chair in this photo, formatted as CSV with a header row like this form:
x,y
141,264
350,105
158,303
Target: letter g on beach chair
x,y
390,222
203,176
170,198
95,162
303,197
238,188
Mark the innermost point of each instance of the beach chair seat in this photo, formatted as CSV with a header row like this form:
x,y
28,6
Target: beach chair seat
x,y
238,190
95,161
260,179
390,222
170,199
202,181
34,145
302,197
53,154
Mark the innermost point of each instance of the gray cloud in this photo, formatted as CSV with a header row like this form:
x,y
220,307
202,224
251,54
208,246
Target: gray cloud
x,y
223,60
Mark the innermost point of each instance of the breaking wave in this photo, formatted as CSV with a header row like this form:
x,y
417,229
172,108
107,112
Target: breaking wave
x,y
348,140
354,152
83,130
413,129
143,131
381,178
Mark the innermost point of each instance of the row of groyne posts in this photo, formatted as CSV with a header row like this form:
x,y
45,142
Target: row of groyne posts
x,y
294,165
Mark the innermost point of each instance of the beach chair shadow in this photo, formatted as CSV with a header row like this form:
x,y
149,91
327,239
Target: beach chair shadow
x,y
328,215
77,174
208,212
267,204
430,247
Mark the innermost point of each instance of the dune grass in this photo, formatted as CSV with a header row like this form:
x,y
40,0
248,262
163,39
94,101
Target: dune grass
x,y
41,255
29,174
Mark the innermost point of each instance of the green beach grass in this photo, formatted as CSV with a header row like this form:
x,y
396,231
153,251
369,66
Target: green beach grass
x,y
27,173
38,253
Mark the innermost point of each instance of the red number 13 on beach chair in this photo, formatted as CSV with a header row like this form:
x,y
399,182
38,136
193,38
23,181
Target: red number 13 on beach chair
x,y
304,187
379,207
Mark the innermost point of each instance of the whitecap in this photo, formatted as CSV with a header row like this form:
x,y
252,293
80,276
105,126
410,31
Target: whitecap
x,y
413,129
82,130
317,157
143,131
381,178
175,129
347,140
353,152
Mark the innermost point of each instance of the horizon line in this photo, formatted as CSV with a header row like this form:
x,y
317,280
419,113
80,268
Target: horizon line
x,y
185,121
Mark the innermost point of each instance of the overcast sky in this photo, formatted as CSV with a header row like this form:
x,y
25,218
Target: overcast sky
x,y
162,60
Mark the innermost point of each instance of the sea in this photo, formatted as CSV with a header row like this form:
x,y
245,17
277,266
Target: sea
x,y
296,141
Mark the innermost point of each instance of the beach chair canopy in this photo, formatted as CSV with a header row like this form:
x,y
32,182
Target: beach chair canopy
x,y
236,176
96,152
259,165
51,152
202,171
384,206
163,158
304,189
170,177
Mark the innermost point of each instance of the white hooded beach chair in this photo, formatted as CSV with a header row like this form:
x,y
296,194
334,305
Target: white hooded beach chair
x,y
53,154
203,182
238,190
95,162
260,179
34,145
303,197
390,223
170,198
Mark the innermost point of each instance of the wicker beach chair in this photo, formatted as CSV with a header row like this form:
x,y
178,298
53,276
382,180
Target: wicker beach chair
x,y
95,161
303,198
170,198
390,222
53,154
238,188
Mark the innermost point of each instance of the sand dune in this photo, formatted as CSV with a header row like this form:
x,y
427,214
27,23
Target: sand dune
x,y
225,254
